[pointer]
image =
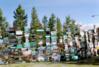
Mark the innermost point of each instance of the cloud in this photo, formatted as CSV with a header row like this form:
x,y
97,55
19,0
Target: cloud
x,y
85,26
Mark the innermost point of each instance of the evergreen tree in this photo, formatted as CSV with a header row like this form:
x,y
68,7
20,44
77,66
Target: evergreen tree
x,y
3,25
75,30
67,24
35,22
20,18
59,29
51,23
44,20
35,25
71,26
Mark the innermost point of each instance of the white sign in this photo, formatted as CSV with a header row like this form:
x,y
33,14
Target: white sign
x,y
54,43
40,30
53,33
60,40
47,43
27,35
19,32
47,36
1,41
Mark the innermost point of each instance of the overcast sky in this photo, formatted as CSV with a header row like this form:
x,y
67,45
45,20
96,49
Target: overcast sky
x,y
80,10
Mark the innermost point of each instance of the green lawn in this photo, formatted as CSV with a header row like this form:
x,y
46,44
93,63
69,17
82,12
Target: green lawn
x,y
41,64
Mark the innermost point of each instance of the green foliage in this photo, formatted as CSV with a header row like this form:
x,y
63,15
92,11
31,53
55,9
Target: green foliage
x,y
71,26
59,28
44,20
51,23
3,25
20,21
20,18
35,25
67,23
35,21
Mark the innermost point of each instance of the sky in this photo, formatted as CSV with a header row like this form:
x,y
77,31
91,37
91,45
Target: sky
x,y
79,10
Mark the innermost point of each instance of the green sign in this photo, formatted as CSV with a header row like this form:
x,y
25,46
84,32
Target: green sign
x,y
32,43
19,46
47,36
54,38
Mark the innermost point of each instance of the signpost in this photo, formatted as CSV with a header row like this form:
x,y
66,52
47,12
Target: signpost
x,y
27,44
40,39
19,38
53,38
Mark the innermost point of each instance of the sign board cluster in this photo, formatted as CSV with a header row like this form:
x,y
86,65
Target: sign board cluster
x,y
53,38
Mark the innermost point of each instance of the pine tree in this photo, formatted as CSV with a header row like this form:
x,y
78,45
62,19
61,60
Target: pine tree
x,y
70,26
51,23
3,25
66,24
59,29
44,20
20,18
35,24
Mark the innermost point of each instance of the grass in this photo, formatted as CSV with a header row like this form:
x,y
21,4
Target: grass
x,y
48,64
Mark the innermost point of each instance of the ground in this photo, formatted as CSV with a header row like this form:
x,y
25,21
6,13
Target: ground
x,y
41,64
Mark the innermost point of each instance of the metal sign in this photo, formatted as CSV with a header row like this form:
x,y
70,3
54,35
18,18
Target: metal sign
x,y
33,44
26,30
40,30
27,45
47,39
54,39
1,41
19,46
19,32
47,36
26,34
53,32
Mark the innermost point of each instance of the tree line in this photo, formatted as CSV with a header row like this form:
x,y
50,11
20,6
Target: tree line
x,y
53,23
